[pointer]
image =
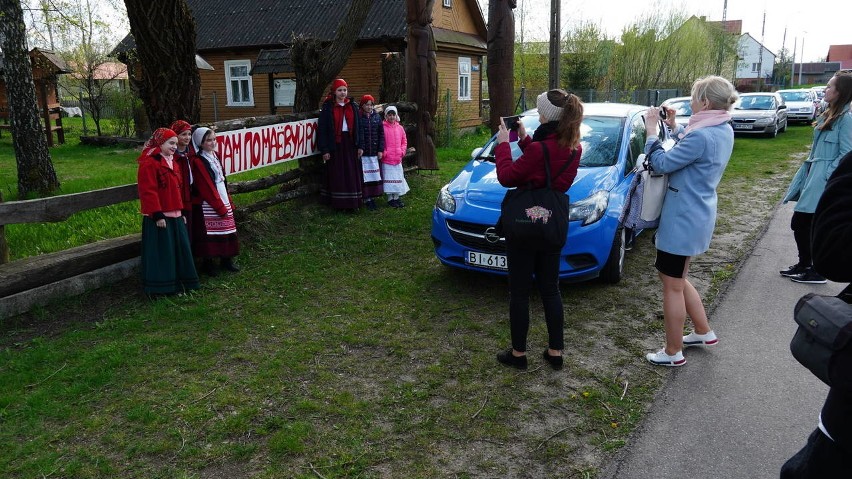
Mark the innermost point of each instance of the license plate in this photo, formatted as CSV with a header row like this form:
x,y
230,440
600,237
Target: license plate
x,y
742,127
492,261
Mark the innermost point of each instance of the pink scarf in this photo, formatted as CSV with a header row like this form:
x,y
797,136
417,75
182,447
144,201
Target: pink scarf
x,y
706,118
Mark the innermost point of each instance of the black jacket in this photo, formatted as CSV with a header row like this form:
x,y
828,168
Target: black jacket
x,y
832,257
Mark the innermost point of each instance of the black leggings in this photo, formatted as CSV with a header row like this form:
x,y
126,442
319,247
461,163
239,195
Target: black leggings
x,y
523,264
801,226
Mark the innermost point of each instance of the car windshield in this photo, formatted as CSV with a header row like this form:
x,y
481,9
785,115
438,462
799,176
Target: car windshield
x,y
681,108
600,137
795,96
757,102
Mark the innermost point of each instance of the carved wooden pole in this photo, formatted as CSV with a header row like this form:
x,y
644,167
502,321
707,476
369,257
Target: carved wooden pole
x,y
501,63
421,73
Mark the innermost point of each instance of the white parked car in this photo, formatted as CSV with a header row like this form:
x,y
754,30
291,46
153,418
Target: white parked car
x,y
802,105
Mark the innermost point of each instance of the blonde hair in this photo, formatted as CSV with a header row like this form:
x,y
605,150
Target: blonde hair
x,y
719,92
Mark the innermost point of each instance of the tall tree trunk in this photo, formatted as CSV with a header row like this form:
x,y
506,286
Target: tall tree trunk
x,y
316,64
35,169
169,85
501,60
393,78
421,75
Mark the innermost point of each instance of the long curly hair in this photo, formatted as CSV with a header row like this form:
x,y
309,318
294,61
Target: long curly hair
x,y
568,130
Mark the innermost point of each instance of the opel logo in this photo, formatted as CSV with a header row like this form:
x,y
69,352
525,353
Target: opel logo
x,y
491,235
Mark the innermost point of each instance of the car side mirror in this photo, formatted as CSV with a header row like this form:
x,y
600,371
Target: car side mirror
x,y
475,153
782,107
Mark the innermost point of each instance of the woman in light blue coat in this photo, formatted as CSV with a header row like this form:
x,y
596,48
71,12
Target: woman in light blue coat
x,y
695,166
832,140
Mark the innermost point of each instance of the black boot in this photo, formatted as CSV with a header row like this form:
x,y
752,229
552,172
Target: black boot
x,y
209,267
228,265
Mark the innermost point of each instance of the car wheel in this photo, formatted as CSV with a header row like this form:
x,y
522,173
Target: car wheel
x,y
774,132
614,267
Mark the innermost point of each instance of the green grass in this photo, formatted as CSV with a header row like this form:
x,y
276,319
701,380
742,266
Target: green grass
x,y
343,349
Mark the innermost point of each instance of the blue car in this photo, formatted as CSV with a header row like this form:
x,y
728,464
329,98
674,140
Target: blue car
x,y
466,211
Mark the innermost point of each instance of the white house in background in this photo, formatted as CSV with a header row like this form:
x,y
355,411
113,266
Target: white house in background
x,y
755,61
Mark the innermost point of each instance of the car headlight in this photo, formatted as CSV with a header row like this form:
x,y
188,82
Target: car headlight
x,y
445,201
590,209
764,121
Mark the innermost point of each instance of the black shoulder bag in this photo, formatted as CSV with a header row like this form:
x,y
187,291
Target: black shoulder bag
x,y
536,217
822,342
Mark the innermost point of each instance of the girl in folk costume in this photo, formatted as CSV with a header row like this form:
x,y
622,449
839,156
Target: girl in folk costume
x,y
338,143
371,137
395,146
184,136
167,265
215,231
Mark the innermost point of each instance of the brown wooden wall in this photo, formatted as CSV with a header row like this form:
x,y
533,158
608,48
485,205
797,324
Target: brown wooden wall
x,y
458,18
465,112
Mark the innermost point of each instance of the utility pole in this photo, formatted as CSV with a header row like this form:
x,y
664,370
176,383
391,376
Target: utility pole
x,y
760,55
721,39
802,61
793,62
555,50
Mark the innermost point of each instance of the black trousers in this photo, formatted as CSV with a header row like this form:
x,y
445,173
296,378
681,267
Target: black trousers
x,y
821,458
524,266
801,226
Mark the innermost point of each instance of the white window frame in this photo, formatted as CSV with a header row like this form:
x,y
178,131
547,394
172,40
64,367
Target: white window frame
x,y
448,3
229,79
464,83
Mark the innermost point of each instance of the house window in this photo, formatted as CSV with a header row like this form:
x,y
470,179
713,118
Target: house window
x,y
754,67
464,78
238,83
448,3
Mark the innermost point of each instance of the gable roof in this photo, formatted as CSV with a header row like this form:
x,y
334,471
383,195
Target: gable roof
x,y
839,53
226,24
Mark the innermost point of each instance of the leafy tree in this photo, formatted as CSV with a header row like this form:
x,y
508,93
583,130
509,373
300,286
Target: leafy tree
x,y
169,85
35,168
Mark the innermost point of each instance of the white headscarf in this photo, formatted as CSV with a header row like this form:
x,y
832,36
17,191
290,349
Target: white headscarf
x,y
209,156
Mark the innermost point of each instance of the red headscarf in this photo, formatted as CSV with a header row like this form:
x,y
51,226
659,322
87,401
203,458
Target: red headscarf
x,y
340,111
180,126
366,98
160,136
337,84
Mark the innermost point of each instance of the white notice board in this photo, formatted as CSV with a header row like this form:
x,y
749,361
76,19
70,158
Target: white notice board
x,y
285,91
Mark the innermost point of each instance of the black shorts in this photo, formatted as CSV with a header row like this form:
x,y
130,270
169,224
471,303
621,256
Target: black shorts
x,y
671,264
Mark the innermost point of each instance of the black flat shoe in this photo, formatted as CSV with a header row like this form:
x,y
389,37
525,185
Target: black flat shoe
x,y
228,265
554,361
506,357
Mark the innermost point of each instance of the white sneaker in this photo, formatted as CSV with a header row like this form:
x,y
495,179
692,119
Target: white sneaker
x,y
695,339
660,358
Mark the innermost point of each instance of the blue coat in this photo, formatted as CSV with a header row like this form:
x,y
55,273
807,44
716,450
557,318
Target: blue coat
x,y
828,148
695,166
371,133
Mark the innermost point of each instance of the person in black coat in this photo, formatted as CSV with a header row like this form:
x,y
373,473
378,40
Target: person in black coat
x,y
828,452
338,143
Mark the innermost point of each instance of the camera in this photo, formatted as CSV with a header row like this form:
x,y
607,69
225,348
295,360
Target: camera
x,y
663,113
512,122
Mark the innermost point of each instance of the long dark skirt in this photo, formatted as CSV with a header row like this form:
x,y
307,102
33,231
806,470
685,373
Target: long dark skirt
x,y
344,179
206,245
167,264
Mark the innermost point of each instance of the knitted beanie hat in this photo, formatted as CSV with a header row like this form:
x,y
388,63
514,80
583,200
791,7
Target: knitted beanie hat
x,y
550,104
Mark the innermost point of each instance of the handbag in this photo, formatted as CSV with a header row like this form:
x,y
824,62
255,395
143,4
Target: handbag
x,y
645,201
536,217
822,341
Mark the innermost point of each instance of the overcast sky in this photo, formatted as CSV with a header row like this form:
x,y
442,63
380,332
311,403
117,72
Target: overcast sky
x,y
823,23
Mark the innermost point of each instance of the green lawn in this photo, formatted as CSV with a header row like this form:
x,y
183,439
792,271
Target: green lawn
x,y
343,349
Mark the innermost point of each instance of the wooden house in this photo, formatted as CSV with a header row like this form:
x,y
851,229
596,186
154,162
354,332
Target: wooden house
x,y
246,42
47,66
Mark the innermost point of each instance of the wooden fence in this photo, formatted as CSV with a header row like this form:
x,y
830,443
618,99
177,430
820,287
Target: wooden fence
x,y
27,275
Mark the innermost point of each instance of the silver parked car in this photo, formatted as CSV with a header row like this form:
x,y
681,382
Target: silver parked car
x,y
682,108
759,113
802,105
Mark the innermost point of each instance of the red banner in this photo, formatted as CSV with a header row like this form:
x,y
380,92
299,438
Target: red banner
x,y
251,148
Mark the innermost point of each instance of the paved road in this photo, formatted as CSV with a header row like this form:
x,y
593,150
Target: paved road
x,y
738,410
